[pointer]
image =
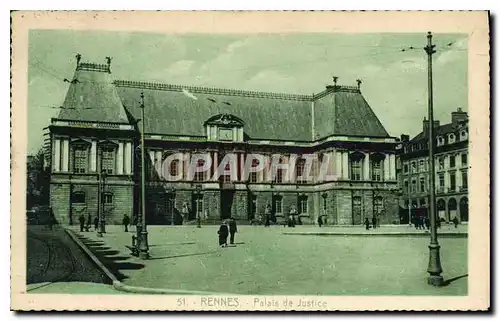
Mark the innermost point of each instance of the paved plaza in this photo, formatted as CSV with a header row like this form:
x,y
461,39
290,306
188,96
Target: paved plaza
x,y
265,261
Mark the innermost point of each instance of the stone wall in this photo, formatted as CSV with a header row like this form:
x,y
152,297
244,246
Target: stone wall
x,y
344,207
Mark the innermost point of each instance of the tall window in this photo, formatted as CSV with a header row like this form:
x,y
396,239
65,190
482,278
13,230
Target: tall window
x,y
198,176
253,175
108,198
279,173
406,187
441,180
453,181
302,204
413,186
226,178
356,169
405,168
422,184
377,170
421,166
464,159
464,180
378,205
278,204
80,162
441,163
299,172
108,160
413,167
452,161
174,168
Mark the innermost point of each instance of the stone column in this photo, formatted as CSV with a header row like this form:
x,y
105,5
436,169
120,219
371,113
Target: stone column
x,y
386,168
331,163
338,164
242,167
128,158
446,182
57,155
268,167
158,164
119,159
366,167
65,155
93,156
185,171
215,165
345,165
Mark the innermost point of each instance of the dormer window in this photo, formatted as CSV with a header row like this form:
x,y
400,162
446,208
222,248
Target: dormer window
x,y
463,135
224,127
440,141
451,138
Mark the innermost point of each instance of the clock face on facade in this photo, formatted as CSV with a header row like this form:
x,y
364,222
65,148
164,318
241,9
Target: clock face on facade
x,y
225,134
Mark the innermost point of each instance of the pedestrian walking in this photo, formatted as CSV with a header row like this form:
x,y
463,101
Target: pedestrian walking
x,y
232,229
81,218
126,222
455,222
427,223
96,222
267,214
367,223
223,233
374,222
320,221
88,223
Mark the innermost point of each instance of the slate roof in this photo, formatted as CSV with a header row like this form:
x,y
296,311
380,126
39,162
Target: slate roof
x,y
92,96
183,110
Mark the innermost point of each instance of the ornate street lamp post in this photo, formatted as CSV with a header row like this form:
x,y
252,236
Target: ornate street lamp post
x,y
434,267
142,237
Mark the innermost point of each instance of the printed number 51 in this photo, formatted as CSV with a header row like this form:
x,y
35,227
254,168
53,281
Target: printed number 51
x,y
181,302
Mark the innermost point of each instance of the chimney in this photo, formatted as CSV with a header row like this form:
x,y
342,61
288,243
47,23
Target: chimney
x,y
458,116
425,125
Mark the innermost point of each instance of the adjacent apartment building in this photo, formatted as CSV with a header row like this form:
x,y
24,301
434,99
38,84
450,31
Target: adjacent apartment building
x,y
451,169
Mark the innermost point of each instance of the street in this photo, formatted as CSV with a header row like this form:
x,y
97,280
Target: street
x,y
265,261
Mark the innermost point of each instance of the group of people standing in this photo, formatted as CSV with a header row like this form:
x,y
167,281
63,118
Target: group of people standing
x,y
86,224
227,228
375,223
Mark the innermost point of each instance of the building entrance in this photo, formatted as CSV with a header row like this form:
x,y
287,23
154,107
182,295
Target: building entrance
x,y
226,203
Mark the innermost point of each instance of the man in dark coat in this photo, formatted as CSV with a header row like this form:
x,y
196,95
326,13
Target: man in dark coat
x,y
367,223
81,218
223,233
96,222
126,222
455,221
88,224
232,230
320,221
374,222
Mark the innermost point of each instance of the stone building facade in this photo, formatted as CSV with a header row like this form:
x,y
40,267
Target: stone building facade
x,y
451,168
95,152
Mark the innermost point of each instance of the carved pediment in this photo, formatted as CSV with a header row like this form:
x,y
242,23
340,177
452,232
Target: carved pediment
x,y
225,120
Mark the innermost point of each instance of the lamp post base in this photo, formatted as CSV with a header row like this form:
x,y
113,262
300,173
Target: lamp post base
x,y
143,245
434,268
435,280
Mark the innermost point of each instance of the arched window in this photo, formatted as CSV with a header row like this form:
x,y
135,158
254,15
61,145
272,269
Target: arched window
x,y
463,135
174,168
78,197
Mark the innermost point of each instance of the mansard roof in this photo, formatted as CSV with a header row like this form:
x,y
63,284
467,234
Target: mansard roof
x,y
184,110
92,96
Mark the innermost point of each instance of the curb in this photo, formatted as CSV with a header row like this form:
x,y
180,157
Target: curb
x,y
119,286
393,234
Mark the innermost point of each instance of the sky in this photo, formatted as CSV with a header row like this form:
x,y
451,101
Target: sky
x,y
394,82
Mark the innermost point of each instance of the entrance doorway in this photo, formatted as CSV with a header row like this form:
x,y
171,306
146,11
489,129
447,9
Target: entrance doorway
x,y
464,209
226,203
452,209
